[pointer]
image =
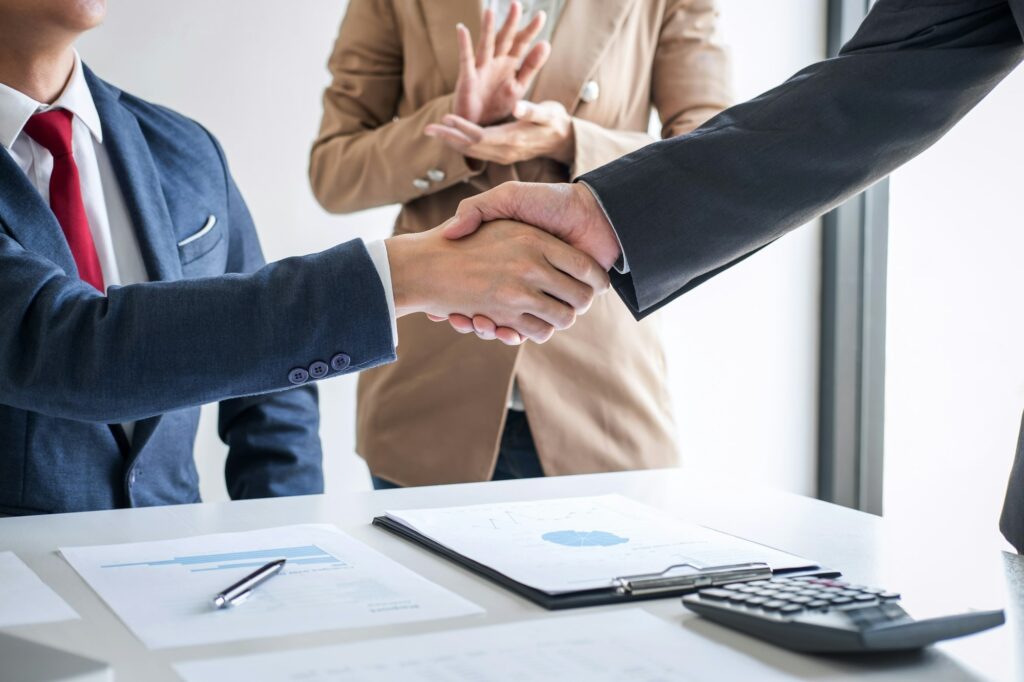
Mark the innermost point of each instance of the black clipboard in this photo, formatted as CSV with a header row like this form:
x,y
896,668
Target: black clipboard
x,y
627,589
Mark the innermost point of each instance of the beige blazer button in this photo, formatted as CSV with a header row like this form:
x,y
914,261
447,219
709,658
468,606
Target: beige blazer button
x,y
435,175
590,92
422,184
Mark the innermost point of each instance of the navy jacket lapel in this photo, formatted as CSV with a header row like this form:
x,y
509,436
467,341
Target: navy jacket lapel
x,y
140,183
137,175
28,219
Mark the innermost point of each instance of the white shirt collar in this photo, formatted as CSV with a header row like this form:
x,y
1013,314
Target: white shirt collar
x,y
16,108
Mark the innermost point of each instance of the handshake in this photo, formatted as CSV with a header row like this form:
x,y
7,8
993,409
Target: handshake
x,y
518,262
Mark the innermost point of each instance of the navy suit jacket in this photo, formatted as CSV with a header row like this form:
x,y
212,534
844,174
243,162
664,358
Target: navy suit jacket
x,y
688,208
215,324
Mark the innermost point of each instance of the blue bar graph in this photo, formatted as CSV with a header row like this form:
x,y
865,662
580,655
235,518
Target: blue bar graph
x,y
306,554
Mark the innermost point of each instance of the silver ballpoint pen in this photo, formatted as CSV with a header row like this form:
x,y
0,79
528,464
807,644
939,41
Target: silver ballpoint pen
x,y
240,591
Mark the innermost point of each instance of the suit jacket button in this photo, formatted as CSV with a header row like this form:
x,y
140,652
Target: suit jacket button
x,y
319,369
590,92
298,376
340,362
422,184
435,175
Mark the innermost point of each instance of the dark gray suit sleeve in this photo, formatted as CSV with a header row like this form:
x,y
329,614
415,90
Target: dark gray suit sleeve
x,y
1012,520
273,438
688,208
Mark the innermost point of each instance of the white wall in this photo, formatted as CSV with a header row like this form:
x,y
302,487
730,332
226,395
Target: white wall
x,y
955,377
742,349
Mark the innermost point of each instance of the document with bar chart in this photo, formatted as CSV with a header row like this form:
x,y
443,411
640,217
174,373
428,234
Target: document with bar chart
x,y
162,590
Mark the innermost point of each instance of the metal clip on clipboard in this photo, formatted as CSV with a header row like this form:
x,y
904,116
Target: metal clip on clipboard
x,y
665,581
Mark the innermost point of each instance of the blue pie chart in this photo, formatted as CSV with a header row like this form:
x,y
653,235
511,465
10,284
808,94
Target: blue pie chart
x,y
583,538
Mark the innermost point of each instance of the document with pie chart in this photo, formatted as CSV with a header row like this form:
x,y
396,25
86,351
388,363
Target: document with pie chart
x,y
582,543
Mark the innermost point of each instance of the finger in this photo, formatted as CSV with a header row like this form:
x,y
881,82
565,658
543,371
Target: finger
x,y
450,136
471,130
484,327
533,328
461,323
576,264
485,48
554,312
508,30
493,203
568,290
533,113
536,58
509,337
465,41
526,36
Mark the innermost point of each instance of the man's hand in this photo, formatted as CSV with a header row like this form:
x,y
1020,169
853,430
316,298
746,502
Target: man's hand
x,y
521,278
540,130
490,84
567,211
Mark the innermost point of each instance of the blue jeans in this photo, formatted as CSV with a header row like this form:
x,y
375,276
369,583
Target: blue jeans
x,y
517,457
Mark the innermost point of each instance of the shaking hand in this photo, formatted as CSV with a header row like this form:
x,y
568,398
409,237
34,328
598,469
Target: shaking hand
x,y
569,212
523,279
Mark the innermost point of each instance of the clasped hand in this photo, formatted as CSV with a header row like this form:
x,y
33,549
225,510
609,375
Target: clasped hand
x,y
568,212
519,277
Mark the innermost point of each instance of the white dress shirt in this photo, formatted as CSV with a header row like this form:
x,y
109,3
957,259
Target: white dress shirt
x,y
113,232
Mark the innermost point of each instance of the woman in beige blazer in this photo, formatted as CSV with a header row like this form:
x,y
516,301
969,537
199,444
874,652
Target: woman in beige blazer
x,y
594,396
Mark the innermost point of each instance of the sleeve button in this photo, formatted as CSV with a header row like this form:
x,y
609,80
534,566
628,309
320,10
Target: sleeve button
x,y
298,376
319,369
340,362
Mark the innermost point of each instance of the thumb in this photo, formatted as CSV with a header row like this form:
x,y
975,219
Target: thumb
x,y
491,205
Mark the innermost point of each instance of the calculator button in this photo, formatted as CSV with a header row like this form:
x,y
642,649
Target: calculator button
x,y
790,609
773,605
889,595
841,600
766,593
817,604
716,594
740,598
756,601
864,597
808,593
799,600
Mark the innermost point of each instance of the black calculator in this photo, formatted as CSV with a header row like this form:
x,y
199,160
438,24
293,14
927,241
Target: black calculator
x,y
827,615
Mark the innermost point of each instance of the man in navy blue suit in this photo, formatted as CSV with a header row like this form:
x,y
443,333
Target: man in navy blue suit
x,y
133,290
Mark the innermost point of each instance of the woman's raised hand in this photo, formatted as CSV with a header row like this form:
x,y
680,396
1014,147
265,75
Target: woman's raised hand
x,y
496,77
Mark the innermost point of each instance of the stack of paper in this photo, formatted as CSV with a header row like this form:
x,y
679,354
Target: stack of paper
x,y
24,598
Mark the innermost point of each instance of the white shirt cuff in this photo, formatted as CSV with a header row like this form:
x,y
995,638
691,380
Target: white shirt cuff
x,y
379,255
622,265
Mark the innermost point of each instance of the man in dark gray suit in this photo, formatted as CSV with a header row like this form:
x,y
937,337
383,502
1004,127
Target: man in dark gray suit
x,y
676,213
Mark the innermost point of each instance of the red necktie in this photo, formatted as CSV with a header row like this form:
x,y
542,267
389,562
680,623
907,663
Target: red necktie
x,y
52,130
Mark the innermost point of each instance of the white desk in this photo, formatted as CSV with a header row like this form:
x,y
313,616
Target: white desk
x,y
862,546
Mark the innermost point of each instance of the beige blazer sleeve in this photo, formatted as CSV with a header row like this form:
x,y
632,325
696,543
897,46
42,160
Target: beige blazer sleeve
x,y
364,156
689,85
